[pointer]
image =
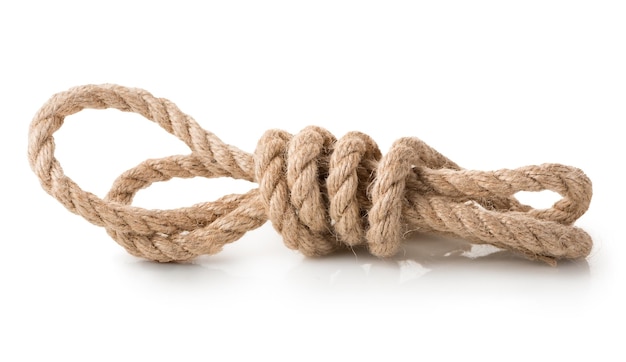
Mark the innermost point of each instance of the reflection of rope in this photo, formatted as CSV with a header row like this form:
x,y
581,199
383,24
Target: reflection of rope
x,y
320,193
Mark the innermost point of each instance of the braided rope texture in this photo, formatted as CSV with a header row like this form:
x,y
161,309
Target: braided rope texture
x,y
321,194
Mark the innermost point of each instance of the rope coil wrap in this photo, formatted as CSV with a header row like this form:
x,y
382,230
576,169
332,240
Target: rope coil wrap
x,y
320,193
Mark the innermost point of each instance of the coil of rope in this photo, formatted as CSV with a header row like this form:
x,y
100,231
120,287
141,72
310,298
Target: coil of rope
x,y
321,194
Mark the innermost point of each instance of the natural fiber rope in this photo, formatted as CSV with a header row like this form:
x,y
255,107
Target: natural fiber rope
x,y
320,193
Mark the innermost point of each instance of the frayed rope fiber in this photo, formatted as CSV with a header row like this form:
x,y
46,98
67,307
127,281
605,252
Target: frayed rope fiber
x,y
321,194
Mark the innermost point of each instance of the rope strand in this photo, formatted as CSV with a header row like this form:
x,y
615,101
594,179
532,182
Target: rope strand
x,y
321,194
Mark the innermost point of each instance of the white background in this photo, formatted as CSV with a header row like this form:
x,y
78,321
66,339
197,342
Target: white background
x,y
491,84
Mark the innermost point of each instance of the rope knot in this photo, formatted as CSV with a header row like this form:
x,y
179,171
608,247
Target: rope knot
x,y
320,193
313,187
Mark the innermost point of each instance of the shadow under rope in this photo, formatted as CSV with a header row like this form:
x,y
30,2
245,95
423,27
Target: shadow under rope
x,y
441,262
424,261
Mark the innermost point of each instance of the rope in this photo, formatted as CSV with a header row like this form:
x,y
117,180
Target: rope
x,y
321,194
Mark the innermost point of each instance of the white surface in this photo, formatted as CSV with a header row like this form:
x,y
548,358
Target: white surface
x,y
488,83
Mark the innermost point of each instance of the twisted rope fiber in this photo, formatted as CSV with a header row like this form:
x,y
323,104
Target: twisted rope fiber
x,y
320,193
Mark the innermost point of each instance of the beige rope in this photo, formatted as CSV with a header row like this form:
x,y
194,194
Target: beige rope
x,y
320,193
